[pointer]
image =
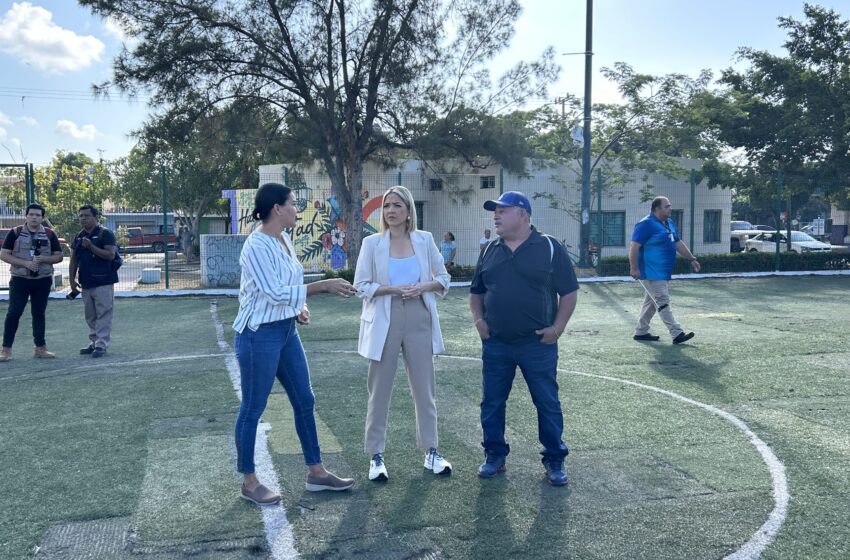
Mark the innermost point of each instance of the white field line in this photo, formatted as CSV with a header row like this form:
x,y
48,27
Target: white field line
x,y
766,534
278,530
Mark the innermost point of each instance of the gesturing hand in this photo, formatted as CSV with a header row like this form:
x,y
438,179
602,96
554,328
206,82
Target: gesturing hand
x,y
340,287
303,317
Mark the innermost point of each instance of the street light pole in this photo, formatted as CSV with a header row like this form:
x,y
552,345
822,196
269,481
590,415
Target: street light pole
x,y
584,258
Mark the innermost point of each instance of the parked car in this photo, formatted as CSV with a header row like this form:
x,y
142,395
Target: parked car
x,y
739,225
764,228
740,232
800,243
156,241
66,249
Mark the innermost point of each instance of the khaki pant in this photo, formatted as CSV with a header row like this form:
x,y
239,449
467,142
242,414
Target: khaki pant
x,y
98,309
410,333
660,291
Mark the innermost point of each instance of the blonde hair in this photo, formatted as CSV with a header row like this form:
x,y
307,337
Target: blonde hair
x,y
405,197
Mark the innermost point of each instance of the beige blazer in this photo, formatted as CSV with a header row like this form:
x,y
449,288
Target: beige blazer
x,y
372,273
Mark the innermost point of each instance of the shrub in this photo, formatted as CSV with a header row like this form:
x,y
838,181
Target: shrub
x,y
346,273
743,262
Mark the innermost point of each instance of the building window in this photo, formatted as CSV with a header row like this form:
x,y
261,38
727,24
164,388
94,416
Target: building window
x,y
711,226
488,181
435,184
420,214
613,229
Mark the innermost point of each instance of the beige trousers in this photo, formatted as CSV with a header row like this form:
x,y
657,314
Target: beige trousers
x,y
660,291
98,309
410,333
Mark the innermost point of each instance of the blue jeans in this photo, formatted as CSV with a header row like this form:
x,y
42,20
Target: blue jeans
x,y
538,363
273,350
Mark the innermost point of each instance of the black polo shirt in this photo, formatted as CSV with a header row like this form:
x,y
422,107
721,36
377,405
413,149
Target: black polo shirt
x,y
521,288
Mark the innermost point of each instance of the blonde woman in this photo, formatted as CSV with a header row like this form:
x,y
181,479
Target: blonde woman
x,y
399,271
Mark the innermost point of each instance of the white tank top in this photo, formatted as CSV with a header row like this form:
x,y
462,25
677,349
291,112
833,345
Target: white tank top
x,y
403,271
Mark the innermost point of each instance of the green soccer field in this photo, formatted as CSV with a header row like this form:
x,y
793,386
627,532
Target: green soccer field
x,y
131,455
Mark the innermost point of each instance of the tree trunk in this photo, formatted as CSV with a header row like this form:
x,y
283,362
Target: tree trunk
x,y
353,215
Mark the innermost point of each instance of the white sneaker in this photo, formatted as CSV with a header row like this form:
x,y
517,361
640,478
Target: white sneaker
x,y
435,463
377,468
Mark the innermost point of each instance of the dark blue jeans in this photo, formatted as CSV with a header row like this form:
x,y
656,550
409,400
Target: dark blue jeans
x,y
538,363
21,290
273,350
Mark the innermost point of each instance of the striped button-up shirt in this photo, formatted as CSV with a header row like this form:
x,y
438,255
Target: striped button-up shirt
x,y
272,285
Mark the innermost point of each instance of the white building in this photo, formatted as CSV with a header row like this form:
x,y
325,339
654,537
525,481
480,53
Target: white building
x,y
450,198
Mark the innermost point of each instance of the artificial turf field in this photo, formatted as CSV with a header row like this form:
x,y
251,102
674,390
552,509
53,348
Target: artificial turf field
x,y
130,456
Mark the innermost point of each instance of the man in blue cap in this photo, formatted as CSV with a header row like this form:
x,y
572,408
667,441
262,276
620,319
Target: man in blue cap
x,y
523,294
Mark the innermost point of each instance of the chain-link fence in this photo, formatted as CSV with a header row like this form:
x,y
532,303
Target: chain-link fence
x,y
166,249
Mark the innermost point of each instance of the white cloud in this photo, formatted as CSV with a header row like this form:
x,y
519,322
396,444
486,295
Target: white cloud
x,y
4,120
70,129
120,28
2,132
28,33
29,121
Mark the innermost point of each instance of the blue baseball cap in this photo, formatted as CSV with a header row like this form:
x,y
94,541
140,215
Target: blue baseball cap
x,y
510,198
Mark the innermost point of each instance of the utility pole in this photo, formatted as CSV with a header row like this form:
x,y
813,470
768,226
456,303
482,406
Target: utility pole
x,y
563,102
584,245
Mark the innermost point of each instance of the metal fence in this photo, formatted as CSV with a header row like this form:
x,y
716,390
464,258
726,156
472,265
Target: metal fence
x,y
449,205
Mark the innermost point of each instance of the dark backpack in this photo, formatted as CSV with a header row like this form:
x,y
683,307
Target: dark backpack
x,y
118,260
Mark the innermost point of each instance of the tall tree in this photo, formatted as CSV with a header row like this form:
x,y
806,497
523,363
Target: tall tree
x,y
201,156
661,121
71,180
355,79
792,112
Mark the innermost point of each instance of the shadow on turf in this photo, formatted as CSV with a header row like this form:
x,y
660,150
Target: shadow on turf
x,y
674,362
494,533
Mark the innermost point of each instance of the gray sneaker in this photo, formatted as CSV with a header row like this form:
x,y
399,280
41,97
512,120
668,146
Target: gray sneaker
x,y
328,481
260,495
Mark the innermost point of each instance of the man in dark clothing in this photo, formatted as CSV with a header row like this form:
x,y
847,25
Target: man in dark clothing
x,y
31,251
523,294
93,255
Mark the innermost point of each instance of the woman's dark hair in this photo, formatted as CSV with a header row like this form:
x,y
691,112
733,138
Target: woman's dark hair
x,y
267,196
451,235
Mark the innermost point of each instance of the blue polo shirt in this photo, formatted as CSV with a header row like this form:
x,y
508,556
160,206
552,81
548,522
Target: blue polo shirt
x,y
657,247
521,288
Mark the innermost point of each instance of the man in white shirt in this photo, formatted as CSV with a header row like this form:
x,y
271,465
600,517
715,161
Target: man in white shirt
x,y
484,240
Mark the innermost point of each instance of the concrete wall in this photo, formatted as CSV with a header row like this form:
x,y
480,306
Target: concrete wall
x,y
220,260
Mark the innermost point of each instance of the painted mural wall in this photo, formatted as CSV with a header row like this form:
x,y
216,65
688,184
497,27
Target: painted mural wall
x,y
320,236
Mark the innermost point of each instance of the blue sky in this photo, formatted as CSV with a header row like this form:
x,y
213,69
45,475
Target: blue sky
x,y
51,51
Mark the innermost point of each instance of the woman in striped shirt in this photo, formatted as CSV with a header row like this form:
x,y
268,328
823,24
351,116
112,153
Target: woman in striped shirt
x,y
272,299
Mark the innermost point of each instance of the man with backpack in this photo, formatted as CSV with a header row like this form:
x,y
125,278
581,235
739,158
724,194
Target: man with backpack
x,y
31,251
522,295
95,255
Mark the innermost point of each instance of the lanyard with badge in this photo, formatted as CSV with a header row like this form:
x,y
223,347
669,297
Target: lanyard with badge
x,y
669,232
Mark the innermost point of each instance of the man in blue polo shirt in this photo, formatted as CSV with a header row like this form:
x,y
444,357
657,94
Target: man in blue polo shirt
x,y
652,255
523,294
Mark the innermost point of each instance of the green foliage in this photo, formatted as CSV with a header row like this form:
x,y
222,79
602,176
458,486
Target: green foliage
x,y
345,273
461,272
789,113
62,188
121,236
352,81
743,262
